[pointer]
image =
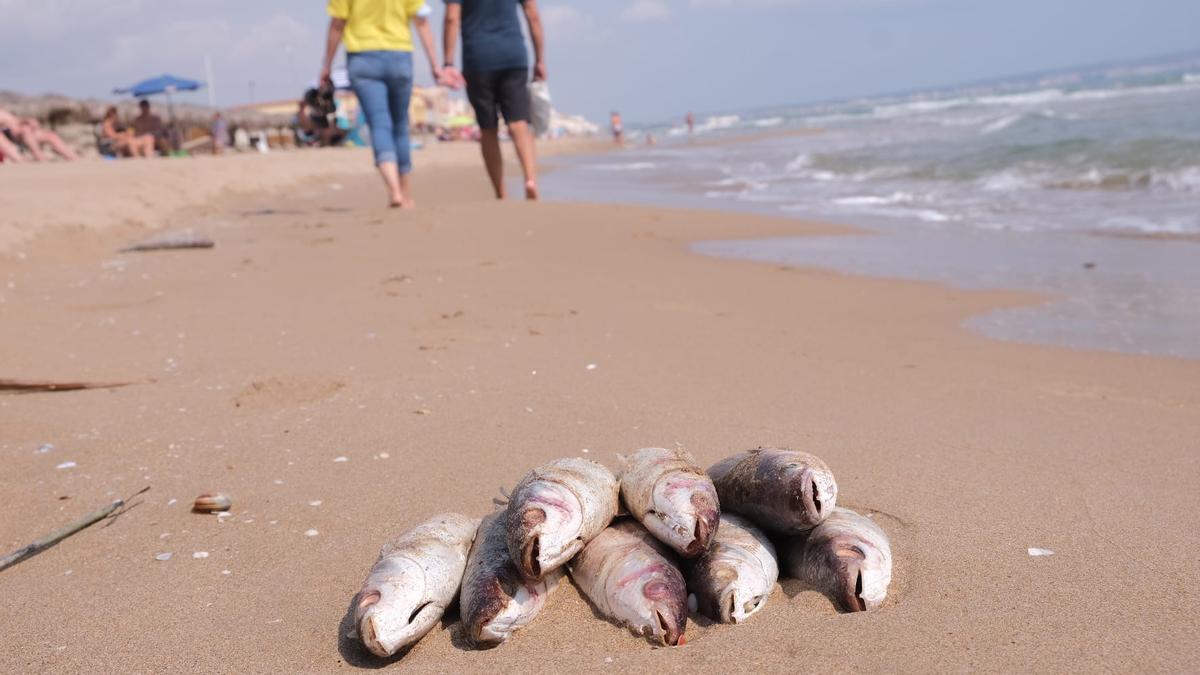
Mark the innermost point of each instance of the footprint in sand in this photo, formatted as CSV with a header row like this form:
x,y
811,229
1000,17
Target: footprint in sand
x,y
275,392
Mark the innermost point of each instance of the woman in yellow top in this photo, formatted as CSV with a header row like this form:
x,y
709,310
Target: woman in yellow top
x,y
379,47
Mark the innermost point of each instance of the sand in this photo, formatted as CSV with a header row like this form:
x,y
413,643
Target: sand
x,y
444,352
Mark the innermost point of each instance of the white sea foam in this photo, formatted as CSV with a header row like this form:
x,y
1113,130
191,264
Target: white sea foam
x,y
872,200
1181,225
628,166
801,161
769,122
1001,123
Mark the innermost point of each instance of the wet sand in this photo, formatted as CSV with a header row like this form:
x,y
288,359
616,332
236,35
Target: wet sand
x,y
444,352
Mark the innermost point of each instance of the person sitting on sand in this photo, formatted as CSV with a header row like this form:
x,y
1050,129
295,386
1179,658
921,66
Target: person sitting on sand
x,y
123,141
149,124
379,58
30,132
496,72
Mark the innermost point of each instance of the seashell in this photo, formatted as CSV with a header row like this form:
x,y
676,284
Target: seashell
x,y
211,502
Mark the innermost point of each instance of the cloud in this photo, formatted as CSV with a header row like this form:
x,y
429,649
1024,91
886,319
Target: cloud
x,y
566,22
646,10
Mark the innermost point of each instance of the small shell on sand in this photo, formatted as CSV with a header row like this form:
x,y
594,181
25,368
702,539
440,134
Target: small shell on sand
x,y
211,502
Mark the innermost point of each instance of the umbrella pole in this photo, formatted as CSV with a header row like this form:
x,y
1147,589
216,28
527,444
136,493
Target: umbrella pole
x,y
171,126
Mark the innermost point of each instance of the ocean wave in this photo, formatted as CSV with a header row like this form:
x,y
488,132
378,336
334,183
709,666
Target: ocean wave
x,y
1179,225
768,122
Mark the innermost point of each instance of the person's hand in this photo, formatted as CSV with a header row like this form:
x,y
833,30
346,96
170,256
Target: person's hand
x,y
452,78
438,75
539,71
326,77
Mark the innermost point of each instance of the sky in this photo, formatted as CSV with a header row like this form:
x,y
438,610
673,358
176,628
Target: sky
x,y
654,60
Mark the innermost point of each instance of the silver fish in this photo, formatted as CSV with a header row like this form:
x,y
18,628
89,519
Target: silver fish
x,y
415,579
672,497
782,491
630,577
495,600
847,557
734,578
555,510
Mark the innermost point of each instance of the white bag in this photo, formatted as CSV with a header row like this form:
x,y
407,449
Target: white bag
x,y
539,107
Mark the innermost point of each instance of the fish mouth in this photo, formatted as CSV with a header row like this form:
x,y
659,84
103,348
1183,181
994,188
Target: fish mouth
x,y
850,578
381,636
668,631
702,533
530,565
811,504
733,610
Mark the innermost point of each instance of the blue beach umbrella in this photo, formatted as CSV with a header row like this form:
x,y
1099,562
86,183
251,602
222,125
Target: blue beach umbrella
x,y
163,84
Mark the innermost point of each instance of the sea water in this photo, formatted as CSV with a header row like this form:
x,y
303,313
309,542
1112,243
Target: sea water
x,y
1084,185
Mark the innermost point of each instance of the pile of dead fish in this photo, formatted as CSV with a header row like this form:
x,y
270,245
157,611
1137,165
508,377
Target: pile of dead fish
x,y
691,540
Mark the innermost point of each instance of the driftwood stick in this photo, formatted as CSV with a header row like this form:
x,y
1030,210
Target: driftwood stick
x,y
48,541
43,386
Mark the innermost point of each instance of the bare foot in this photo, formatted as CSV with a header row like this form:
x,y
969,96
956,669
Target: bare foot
x,y
396,201
531,190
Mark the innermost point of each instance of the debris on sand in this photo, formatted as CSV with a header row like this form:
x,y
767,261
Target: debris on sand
x,y
47,386
167,241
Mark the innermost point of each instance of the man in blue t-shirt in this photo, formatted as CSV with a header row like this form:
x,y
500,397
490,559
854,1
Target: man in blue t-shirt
x,y
496,69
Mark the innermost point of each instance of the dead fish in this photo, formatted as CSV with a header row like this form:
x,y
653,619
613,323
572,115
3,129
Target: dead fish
x,y
734,578
672,497
782,491
847,558
496,601
630,577
415,579
555,510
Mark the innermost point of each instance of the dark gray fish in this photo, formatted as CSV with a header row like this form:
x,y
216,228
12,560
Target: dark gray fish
x,y
847,557
782,491
496,601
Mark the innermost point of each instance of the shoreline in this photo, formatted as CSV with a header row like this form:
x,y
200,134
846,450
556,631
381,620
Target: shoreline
x,y
445,352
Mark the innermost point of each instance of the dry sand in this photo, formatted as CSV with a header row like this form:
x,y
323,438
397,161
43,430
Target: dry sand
x,y
444,352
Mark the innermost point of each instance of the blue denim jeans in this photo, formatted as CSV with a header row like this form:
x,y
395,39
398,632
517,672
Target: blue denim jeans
x,y
383,82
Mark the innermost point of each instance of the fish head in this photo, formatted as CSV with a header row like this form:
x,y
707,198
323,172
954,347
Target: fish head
x,y
812,492
686,513
393,609
544,528
860,558
741,592
653,602
514,604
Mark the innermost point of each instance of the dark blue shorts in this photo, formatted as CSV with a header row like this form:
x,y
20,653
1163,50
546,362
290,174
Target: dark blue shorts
x,y
499,92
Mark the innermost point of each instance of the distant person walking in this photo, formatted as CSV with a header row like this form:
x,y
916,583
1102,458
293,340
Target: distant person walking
x,y
496,69
618,128
379,49
691,123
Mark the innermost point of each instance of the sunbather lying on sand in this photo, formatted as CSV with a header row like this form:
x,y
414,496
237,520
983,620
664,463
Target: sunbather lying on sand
x,y
28,131
123,141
